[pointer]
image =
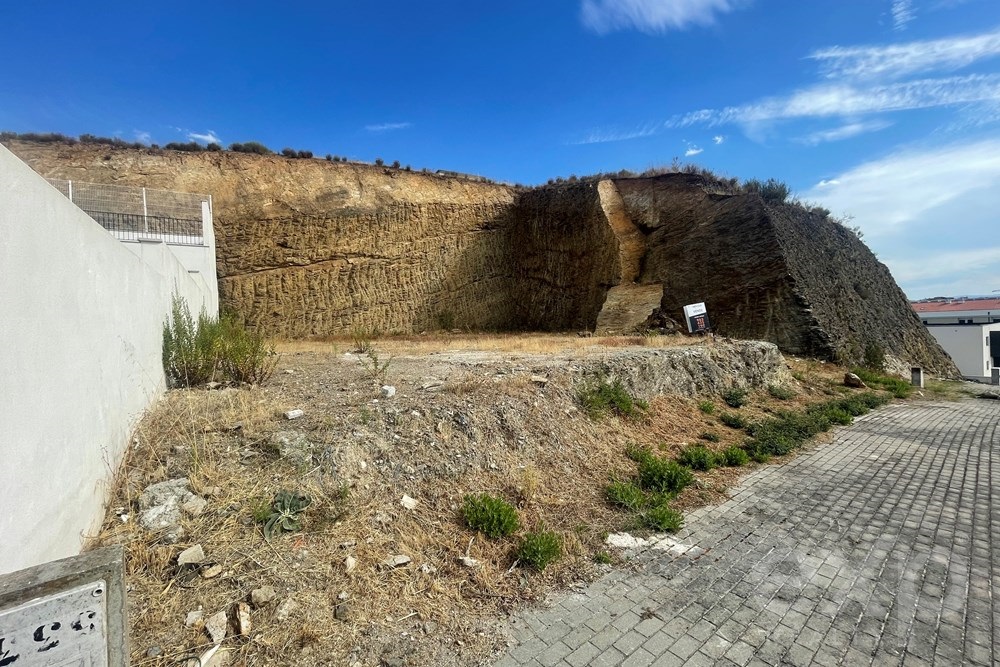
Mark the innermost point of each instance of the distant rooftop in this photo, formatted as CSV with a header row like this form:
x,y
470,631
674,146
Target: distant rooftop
x,y
956,304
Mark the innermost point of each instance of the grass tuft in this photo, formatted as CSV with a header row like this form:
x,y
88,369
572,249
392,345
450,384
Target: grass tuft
x,y
489,515
735,397
600,397
697,457
733,420
539,548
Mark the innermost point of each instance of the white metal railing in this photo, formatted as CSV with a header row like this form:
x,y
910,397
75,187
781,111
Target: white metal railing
x,y
132,213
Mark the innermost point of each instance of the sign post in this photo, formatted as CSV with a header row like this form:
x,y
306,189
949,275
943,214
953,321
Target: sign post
x,y
697,318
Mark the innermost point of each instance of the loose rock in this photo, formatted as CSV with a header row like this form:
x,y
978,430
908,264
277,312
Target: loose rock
x,y
193,617
342,611
191,556
161,508
211,571
398,560
468,561
216,626
294,414
408,502
852,380
350,563
194,506
388,391
241,619
262,596
293,446
538,379
285,610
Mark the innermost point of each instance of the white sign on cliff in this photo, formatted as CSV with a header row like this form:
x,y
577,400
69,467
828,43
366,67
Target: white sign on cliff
x,y
697,318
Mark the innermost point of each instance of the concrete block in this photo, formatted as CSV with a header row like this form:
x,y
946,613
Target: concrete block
x,y
70,611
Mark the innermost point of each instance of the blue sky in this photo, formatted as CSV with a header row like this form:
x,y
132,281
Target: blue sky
x,y
884,110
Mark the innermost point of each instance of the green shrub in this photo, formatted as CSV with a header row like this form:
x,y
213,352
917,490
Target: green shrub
x,y
254,147
708,407
875,358
191,348
491,516
637,453
896,386
662,518
779,392
196,352
697,457
246,356
733,420
662,476
735,457
626,495
539,548
735,397
600,397
708,436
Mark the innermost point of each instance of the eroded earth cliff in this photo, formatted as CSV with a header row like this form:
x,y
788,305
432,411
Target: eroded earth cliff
x,y
308,247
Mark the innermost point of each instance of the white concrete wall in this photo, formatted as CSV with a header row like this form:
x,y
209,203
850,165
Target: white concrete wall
x,y
969,347
81,322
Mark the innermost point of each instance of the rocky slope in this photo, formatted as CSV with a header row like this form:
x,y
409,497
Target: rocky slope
x,y
312,248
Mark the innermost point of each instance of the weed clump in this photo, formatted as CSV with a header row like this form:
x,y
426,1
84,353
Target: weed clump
x,y
734,457
285,515
708,407
733,420
735,397
896,386
662,518
780,435
779,392
489,515
539,548
662,476
697,457
601,397
626,495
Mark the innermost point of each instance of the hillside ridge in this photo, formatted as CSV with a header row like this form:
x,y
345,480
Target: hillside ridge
x,y
311,248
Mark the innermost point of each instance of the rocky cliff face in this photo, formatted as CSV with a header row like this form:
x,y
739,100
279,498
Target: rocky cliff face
x,y
312,248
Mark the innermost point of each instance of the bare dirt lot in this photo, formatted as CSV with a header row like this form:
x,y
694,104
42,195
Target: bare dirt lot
x,y
383,569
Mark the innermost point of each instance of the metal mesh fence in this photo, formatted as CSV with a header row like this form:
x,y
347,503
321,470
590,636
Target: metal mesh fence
x,y
132,213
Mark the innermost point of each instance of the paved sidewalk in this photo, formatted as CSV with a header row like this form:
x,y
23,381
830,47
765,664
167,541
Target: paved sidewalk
x,y
880,548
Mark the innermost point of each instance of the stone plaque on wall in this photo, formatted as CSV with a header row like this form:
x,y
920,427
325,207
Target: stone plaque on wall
x,y
69,612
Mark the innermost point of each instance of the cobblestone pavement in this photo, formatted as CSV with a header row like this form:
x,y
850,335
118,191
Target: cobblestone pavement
x,y
879,548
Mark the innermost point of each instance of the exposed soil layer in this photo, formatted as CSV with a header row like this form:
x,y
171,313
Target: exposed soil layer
x,y
312,248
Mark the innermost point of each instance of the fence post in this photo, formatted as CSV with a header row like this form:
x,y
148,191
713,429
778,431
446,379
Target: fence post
x,y
145,215
70,190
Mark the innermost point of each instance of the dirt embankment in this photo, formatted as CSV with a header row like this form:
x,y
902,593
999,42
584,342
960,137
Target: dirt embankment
x,y
461,421
314,248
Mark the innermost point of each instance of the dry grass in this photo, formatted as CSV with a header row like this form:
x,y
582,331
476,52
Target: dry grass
x,y
484,431
508,343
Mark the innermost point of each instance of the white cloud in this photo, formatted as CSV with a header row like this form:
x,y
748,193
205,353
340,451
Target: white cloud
x,y
208,138
387,127
693,150
142,136
902,13
606,136
934,266
829,100
903,188
899,60
929,213
718,139
604,16
844,132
